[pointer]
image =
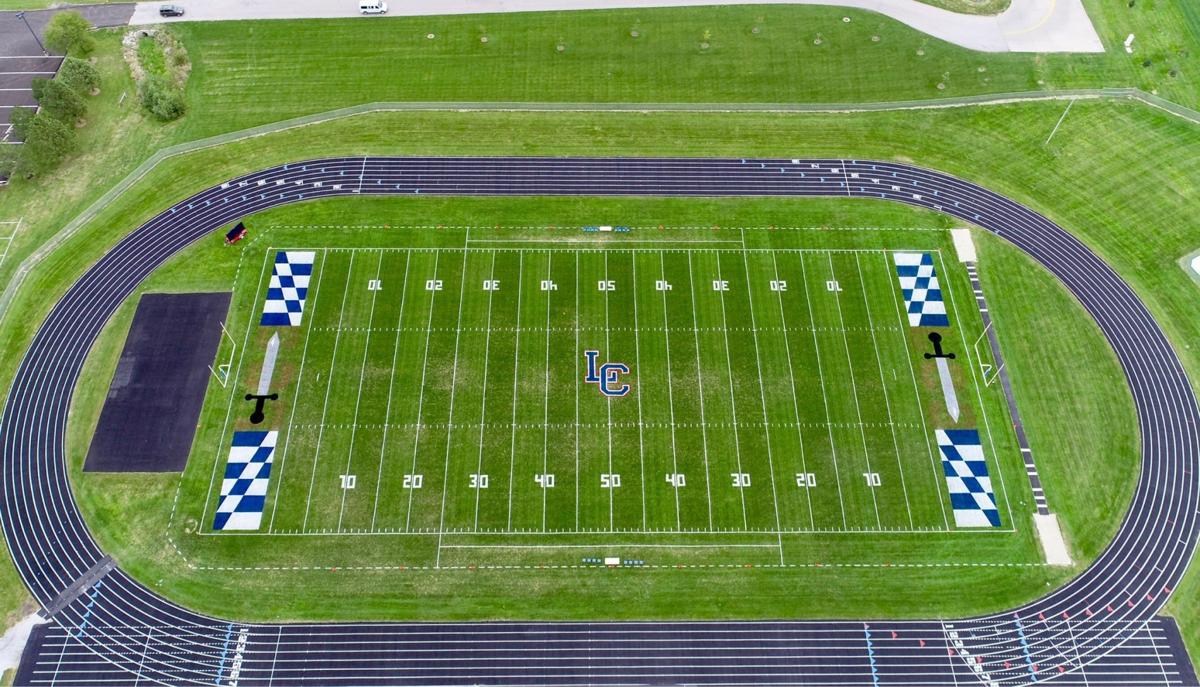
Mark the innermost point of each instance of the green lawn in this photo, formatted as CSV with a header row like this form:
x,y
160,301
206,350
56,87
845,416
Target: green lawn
x,y
1120,176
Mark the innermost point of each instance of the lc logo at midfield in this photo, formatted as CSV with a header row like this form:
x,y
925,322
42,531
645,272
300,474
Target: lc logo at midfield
x,y
606,376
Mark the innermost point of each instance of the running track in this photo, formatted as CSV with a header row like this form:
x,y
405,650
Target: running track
x,y
1098,629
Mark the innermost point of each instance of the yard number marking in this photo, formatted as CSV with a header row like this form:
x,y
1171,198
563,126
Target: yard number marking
x,y
741,480
610,480
548,285
606,285
413,481
478,481
778,285
662,285
677,480
806,479
720,285
872,479
433,284
375,285
348,481
833,286
545,480
491,284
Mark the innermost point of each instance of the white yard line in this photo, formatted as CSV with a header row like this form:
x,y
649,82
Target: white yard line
x,y
737,439
337,337
362,375
637,361
824,394
546,394
854,390
671,398
608,402
387,413
762,394
939,479
887,403
299,378
512,458
462,292
700,385
787,348
421,392
487,349
576,356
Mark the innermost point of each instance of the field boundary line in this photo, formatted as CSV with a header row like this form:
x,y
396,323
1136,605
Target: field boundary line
x,y
97,206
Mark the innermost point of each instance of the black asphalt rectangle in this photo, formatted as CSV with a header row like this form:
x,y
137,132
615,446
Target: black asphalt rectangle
x,y
154,400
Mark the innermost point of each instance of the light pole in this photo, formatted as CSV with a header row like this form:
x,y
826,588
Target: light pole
x,y
21,16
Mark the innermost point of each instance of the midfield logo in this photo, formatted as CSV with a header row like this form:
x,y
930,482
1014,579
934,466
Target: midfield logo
x,y
607,376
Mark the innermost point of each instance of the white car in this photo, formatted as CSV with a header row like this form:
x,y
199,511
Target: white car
x,y
372,7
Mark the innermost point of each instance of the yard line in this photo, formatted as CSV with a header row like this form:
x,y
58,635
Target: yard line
x,y
671,398
512,458
761,391
837,473
487,348
337,337
787,348
637,361
737,443
576,356
462,291
546,394
299,377
887,403
608,399
700,384
391,385
362,373
421,389
937,477
862,432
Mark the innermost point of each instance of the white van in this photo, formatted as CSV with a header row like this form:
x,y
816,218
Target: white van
x,y
372,7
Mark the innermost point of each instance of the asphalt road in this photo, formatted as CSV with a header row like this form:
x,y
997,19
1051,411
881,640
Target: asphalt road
x,y
1100,628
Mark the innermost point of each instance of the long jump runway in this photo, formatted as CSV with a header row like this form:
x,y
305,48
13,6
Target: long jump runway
x,y
1100,628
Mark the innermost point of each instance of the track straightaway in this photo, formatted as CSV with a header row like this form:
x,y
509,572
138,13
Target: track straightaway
x,y
1100,628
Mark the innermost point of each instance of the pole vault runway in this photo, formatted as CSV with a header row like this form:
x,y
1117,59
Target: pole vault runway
x,y
1100,628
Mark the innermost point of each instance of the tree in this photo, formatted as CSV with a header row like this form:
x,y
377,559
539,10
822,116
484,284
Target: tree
x,y
21,117
47,142
61,102
78,75
67,33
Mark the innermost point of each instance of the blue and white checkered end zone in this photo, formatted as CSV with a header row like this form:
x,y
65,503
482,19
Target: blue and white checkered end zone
x,y
967,477
247,474
289,288
922,293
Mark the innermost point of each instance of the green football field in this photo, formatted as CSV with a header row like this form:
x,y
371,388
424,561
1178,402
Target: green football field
x,y
438,395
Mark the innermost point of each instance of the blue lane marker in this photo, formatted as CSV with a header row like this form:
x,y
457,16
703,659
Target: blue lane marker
x,y
871,655
1025,646
224,653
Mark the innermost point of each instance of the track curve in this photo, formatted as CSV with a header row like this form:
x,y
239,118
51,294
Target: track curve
x,y
120,628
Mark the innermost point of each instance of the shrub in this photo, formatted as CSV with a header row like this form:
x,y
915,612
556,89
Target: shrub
x,y
38,85
67,32
162,99
21,117
60,102
79,76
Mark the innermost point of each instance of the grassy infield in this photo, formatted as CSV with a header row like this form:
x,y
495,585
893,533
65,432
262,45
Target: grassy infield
x,y
1120,176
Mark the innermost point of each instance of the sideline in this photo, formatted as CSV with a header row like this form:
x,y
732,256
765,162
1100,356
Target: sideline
x,y
71,228
1026,26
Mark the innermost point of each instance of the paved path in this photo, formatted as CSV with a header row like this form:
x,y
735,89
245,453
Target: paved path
x,y
1026,26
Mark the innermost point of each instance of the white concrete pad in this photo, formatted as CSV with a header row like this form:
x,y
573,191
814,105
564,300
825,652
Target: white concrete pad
x,y
1026,26
12,644
1054,548
963,245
